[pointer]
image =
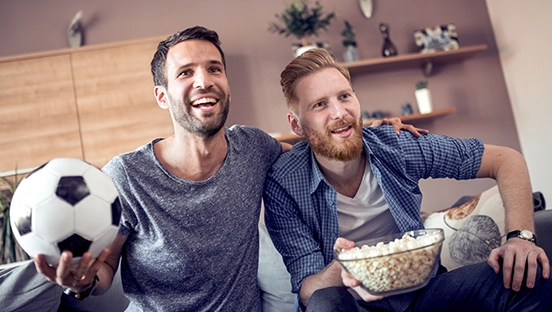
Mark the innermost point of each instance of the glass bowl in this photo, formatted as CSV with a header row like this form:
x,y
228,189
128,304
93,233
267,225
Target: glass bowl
x,y
394,264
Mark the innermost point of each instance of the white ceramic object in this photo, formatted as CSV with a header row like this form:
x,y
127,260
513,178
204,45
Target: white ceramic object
x,y
303,49
423,97
366,6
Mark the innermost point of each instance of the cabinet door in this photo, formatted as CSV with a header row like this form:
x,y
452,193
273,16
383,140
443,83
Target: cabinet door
x,y
117,109
38,115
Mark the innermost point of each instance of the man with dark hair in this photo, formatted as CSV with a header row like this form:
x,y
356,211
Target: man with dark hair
x,y
350,183
189,233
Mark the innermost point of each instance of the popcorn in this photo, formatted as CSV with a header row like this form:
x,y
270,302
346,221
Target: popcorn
x,y
404,263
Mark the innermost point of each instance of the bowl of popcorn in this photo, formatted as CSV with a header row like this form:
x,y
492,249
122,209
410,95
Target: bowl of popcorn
x,y
394,264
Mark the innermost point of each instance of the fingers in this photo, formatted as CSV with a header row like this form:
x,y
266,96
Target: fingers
x,y
342,243
520,259
519,271
43,268
348,279
493,260
81,272
376,123
531,269
75,276
543,259
366,296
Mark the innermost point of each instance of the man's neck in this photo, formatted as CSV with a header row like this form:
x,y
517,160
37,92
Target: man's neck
x,y
344,176
191,157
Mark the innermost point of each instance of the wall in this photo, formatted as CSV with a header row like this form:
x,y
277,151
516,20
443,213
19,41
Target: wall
x,y
520,43
255,58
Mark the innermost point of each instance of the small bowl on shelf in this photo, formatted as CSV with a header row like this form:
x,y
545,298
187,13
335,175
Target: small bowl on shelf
x,y
394,264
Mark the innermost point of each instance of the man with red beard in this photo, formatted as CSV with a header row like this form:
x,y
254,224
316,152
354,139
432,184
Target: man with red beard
x,y
355,183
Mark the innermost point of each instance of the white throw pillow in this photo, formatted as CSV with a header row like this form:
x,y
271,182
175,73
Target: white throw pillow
x,y
471,230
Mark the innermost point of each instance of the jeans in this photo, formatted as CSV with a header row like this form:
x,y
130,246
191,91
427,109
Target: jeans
x,y
470,288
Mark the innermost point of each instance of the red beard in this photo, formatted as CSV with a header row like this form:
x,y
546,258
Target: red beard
x,y
326,145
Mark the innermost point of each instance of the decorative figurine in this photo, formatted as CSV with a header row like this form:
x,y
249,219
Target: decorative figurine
x,y
75,32
388,46
407,109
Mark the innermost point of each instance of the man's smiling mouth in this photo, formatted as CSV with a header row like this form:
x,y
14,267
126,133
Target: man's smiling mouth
x,y
341,129
204,102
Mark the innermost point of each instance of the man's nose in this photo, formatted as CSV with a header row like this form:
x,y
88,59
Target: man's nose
x,y
338,111
202,79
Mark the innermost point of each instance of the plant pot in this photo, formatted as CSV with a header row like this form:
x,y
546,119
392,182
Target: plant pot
x,y
351,54
423,98
298,50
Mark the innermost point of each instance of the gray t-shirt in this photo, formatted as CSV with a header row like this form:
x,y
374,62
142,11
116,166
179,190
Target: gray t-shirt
x,y
193,246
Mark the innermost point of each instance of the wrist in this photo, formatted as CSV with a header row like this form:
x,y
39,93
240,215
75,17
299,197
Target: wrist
x,y
81,295
522,234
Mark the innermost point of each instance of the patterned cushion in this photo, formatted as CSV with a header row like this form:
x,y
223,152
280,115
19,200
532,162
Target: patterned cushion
x,y
471,229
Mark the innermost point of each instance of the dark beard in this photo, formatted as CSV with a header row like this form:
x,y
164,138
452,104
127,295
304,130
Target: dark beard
x,y
327,146
202,129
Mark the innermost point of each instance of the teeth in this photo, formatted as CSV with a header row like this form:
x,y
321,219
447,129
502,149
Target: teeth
x,y
341,129
204,101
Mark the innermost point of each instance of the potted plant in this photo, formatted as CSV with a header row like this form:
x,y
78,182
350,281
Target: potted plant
x,y
349,42
423,97
302,21
10,251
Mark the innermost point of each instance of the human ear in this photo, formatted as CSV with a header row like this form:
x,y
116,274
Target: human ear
x,y
294,123
160,94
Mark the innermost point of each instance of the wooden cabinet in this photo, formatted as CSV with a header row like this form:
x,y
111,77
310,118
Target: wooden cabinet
x,y
38,114
114,92
90,103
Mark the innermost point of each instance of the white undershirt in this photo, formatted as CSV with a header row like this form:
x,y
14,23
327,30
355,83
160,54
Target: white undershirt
x,y
366,215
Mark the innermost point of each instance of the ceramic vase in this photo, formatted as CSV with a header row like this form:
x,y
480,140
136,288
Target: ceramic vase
x,y
423,97
351,54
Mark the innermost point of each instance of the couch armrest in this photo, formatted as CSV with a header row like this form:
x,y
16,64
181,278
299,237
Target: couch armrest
x,y
543,230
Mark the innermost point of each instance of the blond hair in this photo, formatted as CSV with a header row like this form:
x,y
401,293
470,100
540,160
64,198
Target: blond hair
x,y
303,65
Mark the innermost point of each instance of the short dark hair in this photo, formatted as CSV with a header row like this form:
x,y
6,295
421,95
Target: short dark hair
x,y
160,56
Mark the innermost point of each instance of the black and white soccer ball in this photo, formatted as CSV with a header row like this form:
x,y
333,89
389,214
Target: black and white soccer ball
x,y
65,204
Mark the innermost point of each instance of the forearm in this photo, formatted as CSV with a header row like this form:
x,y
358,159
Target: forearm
x,y
330,276
105,279
511,174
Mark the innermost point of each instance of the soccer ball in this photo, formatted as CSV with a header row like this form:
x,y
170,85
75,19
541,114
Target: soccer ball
x,y
65,204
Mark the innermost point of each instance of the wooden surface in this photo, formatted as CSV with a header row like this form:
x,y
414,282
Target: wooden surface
x,y
410,60
38,116
117,108
91,103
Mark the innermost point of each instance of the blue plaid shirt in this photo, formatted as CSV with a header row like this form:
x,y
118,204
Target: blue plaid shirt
x,y
301,206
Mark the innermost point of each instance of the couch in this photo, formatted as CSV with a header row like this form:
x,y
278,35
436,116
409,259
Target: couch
x,y
23,289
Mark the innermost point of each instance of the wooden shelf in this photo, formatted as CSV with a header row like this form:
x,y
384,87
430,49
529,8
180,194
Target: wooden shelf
x,y
421,60
414,118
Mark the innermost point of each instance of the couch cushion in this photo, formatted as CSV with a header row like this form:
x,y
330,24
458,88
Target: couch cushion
x,y
472,229
273,277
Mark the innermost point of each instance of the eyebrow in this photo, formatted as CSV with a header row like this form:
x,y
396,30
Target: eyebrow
x,y
212,62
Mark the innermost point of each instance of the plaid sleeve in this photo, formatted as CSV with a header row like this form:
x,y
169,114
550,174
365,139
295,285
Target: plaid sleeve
x,y
439,156
290,234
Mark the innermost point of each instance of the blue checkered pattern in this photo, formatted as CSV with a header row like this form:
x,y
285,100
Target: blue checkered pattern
x,y
301,211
